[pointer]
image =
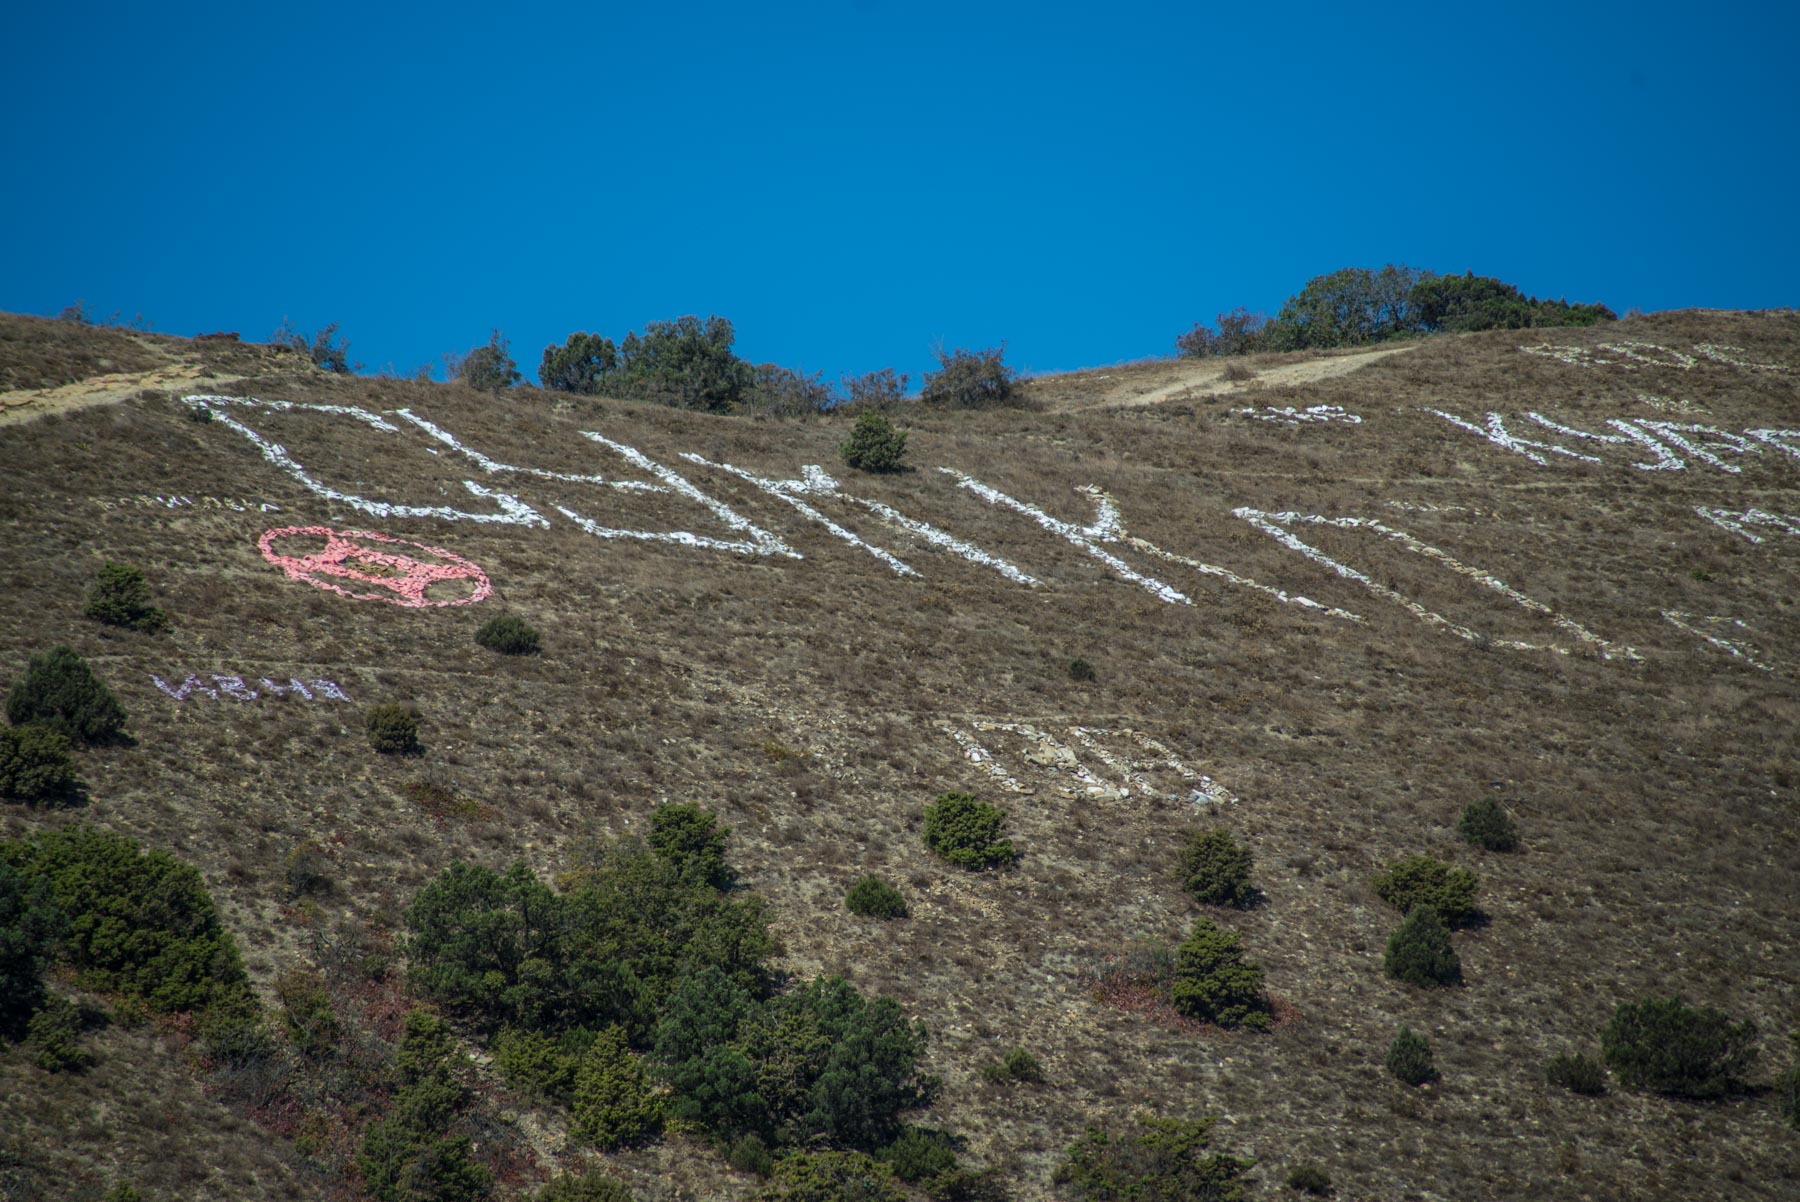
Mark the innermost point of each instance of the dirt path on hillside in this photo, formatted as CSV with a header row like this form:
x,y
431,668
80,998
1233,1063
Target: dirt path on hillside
x,y
1209,378
27,404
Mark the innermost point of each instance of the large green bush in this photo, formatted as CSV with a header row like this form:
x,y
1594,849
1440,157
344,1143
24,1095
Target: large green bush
x,y
30,925
1463,303
1665,1045
1162,1160
489,367
968,832
583,364
1419,951
1347,308
1414,881
60,691
1215,984
139,922
35,766
120,596
393,729
686,363
692,841
1409,1059
508,634
1215,869
971,379
872,897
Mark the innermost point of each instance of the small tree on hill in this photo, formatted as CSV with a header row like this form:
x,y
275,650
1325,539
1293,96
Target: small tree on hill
x,y
968,832
1419,952
489,367
1215,984
1485,823
1409,1059
60,691
614,1106
582,364
686,363
966,379
1414,881
1663,1044
1215,869
120,596
875,445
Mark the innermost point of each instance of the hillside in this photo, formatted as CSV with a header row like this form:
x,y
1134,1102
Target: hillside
x,y
1326,606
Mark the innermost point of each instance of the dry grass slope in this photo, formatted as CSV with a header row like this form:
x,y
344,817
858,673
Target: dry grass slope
x,y
805,699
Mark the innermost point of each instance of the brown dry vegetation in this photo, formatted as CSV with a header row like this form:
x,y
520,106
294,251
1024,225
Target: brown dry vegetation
x,y
801,699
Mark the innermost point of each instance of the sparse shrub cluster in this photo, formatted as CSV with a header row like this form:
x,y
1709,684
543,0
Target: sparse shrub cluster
x,y
876,390
421,1147
1017,1067
777,391
508,634
872,897
1215,869
971,379
1668,1046
60,692
486,368
874,445
393,729
1576,1073
968,832
1308,1178
120,596
35,767
1485,823
1157,1159
326,349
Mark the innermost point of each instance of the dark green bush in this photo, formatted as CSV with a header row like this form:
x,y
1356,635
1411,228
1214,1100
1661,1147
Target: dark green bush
x,y
1215,984
120,596
1215,869
59,691
1665,1045
1163,1160
1409,1058
35,767
831,1177
393,730
1081,671
872,897
968,832
874,445
1419,952
1017,1067
1415,881
920,1153
692,841
1576,1073
592,1186
139,922
487,368
508,634
1309,1178
613,1104
750,1155
966,379
539,1064
54,1037
1486,823
1347,308
415,1151
582,364
30,925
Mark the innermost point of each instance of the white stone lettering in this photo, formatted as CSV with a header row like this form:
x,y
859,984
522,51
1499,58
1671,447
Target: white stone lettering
x,y
1734,649
815,482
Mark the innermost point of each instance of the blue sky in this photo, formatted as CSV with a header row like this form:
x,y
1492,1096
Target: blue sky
x,y
853,183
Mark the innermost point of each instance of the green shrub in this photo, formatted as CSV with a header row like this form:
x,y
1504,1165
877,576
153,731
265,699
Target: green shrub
x,y
508,634
777,391
878,390
874,445
592,1186
1215,869
54,1037
1163,1160
750,1155
1486,823
411,1154
1576,1073
311,1022
306,871
325,348
120,596
1419,951
968,832
1309,1178
539,1064
581,365
1081,671
967,379
1215,984
1017,1067
59,691
692,841
920,1154
872,897
487,368
613,1104
1409,1058
1347,308
1415,881
393,730
1787,1088
1240,332
685,363
139,922
35,766
1665,1045
30,925
831,1177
